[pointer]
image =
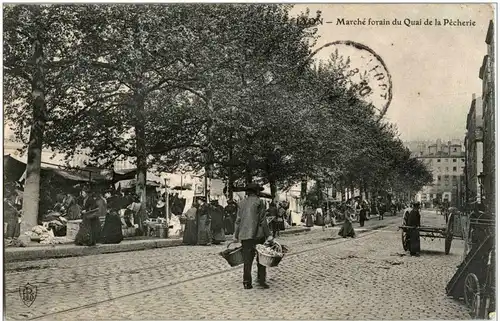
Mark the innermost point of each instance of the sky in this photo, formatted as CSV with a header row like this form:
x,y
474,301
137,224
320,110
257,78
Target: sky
x,y
434,69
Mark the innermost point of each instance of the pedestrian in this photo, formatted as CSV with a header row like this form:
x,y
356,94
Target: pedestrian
x,y
381,210
204,230
280,220
70,206
11,214
230,217
309,213
362,214
251,228
190,236
135,208
413,221
347,230
90,227
159,210
112,230
217,222
319,219
272,215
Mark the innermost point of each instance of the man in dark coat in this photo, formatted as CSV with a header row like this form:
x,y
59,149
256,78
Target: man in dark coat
x,y
413,233
251,229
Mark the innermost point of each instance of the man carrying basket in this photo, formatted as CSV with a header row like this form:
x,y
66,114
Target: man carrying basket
x,y
251,228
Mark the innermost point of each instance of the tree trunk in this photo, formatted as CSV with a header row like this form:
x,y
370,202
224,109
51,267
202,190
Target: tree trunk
x,y
342,189
248,175
142,166
303,193
31,197
319,193
274,189
230,176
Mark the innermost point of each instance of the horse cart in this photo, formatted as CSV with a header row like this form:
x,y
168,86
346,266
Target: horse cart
x,y
453,230
474,280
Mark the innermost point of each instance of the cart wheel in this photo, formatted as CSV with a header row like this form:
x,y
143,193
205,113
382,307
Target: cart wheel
x,y
472,294
449,237
404,240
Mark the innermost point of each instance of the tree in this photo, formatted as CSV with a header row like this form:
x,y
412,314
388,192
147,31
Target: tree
x,y
40,93
255,50
143,51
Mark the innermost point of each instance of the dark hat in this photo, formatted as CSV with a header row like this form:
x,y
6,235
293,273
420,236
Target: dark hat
x,y
201,198
254,187
416,204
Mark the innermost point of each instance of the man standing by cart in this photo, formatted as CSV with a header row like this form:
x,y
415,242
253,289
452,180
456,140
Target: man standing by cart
x,y
414,235
251,228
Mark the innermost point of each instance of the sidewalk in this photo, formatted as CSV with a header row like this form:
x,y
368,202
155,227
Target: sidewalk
x,y
37,251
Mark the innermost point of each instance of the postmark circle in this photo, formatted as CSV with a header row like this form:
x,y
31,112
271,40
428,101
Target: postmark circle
x,y
366,72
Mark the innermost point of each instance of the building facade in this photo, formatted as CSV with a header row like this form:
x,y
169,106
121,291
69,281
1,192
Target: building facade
x,y
446,161
487,75
474,151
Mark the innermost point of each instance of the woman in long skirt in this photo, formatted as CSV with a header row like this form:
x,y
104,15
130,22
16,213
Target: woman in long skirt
x,y
191,232
90,227
112,229
347,230
309,216
217,222
230,217
204,233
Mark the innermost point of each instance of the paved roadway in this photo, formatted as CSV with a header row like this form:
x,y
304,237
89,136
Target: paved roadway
x,y
323,277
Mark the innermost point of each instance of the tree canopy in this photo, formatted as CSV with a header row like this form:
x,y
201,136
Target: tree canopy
x,y
228,88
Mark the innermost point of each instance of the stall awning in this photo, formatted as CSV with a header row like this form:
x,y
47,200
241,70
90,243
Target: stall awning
x,y
13,169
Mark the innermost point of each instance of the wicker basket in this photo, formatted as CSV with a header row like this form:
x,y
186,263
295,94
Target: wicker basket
x,y
233,256
268,260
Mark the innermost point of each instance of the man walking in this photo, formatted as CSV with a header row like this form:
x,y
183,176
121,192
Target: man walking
x,y
251,228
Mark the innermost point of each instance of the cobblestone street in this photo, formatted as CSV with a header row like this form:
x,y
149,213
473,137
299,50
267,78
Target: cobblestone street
x,y
323,277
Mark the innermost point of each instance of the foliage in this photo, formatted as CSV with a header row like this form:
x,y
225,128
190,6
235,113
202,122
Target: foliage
x,y
227,88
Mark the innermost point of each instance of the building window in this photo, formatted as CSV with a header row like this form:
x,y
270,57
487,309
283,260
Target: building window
x,y
454,160
446,160
439,178
463,159
454,168
439,160
455,149
447,169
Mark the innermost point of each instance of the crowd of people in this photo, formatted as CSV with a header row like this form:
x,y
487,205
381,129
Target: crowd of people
x,y
347,212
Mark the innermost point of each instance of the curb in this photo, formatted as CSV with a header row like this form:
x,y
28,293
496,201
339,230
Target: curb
x,y
70,250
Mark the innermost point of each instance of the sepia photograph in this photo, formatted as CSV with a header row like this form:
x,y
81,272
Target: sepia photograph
x,y
249,161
